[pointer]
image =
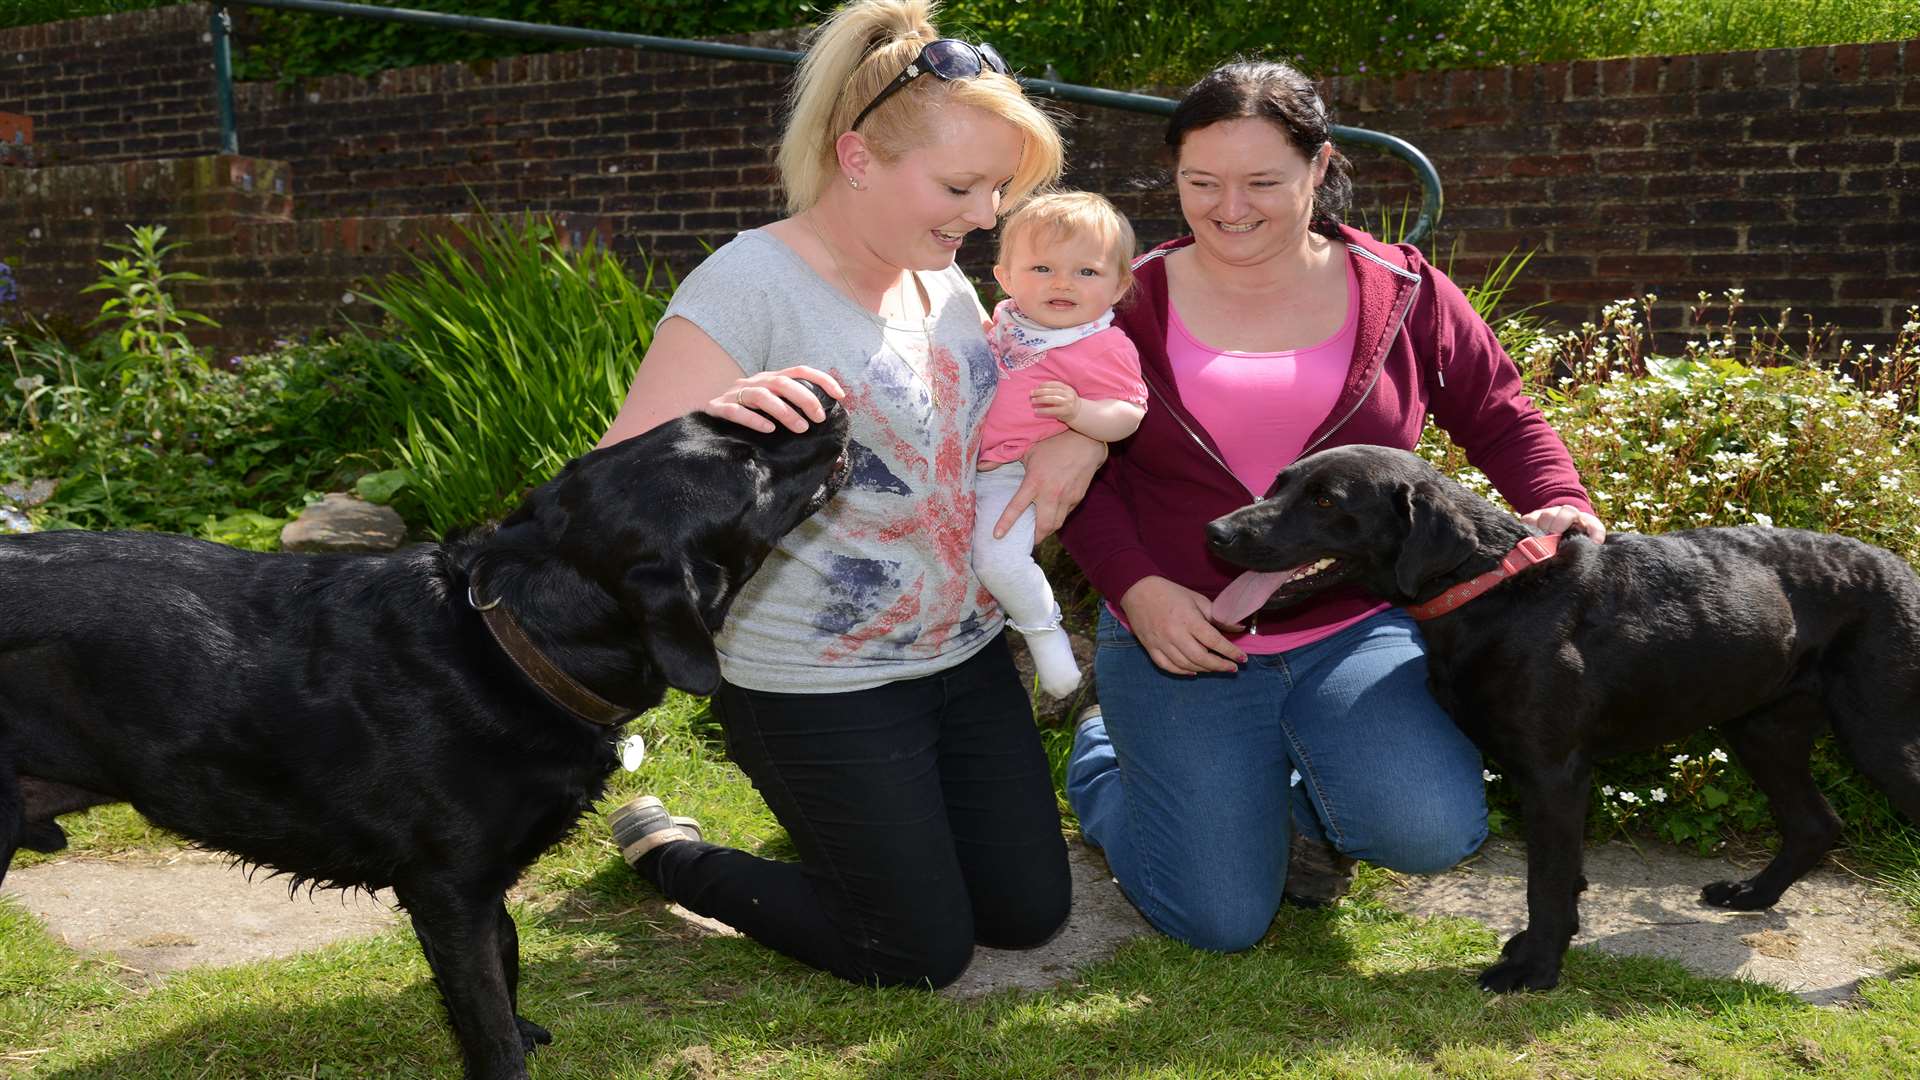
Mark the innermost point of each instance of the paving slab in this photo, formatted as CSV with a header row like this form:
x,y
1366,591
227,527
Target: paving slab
x,y
194,909
1828,932
1101,921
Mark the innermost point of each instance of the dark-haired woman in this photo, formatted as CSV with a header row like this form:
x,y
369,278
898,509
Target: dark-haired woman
x,y
1270,332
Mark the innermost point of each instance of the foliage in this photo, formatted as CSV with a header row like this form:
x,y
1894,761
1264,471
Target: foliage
x,y
34,12
142,431
1119,43
517,353
287,45
1742,428
147,323
1127,45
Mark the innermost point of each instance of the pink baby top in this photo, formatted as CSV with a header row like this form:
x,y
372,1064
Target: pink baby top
x,y
1102,365
1260,408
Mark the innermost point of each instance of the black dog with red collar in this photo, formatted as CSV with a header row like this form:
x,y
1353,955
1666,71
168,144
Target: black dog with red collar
x,y
1775,636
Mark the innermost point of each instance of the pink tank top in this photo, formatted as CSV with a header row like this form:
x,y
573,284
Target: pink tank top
x,y
1261,408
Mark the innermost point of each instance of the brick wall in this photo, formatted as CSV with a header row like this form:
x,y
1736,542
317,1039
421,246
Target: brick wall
x,y
1793,173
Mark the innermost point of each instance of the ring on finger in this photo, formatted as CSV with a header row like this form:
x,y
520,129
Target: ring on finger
x,y
737,393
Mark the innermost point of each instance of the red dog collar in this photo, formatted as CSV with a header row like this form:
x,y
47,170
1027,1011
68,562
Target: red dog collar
x,y
1529,551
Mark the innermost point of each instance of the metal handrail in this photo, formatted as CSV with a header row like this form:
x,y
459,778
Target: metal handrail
x,y
222,28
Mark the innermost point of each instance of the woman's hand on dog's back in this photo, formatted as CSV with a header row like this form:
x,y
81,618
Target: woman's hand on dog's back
x,y
1567,519
1171,622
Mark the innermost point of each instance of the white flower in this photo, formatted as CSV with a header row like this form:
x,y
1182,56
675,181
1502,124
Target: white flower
x,y
1718,755
1489,775
1763,521
1681,759
1658,794
1607,790
1629,797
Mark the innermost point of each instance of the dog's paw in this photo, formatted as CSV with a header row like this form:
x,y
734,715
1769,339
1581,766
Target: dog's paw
x,y
1516,971
45,837
1510,975
532,1034
1736,896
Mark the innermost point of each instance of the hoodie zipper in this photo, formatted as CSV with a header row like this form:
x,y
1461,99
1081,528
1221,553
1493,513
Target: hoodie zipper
x,y
1194,435
1398,321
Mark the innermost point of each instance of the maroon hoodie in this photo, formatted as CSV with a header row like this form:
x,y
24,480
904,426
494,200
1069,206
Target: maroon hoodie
x,y
1420,348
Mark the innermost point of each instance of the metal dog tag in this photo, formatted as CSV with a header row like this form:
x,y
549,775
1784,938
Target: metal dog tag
x,y
633,750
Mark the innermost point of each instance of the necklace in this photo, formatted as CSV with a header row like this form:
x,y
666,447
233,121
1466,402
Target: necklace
x,y
926,328
882,321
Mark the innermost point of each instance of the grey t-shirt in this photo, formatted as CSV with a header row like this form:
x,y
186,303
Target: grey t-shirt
x,y
879,585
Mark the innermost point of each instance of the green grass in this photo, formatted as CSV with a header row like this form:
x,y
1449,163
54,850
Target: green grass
x,y
1118,43
631,991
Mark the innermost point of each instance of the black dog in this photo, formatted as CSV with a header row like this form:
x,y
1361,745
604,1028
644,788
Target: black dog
x,y
1774,635
351,721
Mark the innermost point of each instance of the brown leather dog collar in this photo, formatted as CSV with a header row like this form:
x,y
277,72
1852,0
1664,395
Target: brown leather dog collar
x,y
1530,551
559,687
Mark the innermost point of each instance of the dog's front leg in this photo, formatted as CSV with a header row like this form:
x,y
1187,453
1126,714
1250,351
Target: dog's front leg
x,y
461,939
507,944
1555,806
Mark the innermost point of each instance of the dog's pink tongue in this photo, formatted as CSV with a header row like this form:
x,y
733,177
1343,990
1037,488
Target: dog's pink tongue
x,y
1244,594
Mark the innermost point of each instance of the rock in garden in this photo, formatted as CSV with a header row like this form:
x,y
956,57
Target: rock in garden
x,y
30,494
340,522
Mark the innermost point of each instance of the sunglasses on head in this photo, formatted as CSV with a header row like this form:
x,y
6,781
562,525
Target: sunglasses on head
x,y
947,58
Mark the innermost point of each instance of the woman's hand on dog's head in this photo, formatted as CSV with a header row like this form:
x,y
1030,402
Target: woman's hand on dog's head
x,y
760,399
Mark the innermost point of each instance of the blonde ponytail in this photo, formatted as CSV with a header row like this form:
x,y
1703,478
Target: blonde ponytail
x,y
856,52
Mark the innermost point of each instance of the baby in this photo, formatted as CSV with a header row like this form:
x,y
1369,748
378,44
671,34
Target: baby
x,y
1064,262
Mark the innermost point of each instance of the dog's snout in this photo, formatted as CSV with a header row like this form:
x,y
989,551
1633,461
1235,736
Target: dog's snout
x,y
1219,533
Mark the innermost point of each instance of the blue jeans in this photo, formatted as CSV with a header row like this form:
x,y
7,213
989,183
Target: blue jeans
x,y
1185,780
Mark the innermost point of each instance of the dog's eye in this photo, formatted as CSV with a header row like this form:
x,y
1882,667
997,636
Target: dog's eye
x,y
1323,502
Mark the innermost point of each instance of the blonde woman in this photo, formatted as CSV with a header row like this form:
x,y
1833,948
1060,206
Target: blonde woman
x,y
867,689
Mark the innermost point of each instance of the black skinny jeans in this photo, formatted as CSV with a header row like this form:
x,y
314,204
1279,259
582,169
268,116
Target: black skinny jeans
x,y
925,819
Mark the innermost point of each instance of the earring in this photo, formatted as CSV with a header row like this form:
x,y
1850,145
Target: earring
x,y
855,183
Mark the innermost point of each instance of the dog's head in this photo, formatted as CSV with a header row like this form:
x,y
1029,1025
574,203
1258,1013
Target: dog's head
x,y
1371,514
672,522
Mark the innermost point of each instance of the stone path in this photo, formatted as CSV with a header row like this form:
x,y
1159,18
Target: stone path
x,y
193,909
1827,933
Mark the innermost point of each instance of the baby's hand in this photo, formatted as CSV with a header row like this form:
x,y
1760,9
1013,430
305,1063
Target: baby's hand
x,y
1057,400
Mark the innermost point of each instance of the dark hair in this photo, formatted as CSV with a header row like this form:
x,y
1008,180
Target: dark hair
x,y
1279,94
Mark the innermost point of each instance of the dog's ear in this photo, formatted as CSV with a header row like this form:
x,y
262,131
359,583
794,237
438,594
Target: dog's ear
x,y
1438,537
664,601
